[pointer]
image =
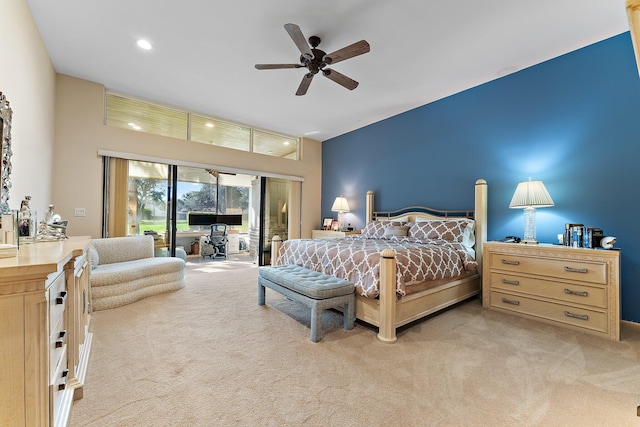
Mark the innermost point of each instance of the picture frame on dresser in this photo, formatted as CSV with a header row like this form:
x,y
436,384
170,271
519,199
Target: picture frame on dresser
x,y
326,223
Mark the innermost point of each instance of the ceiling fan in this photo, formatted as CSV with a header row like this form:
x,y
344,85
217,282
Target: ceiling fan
x,y
316,60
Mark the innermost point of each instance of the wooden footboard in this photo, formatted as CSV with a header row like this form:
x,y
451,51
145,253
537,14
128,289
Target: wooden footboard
x,y
388,314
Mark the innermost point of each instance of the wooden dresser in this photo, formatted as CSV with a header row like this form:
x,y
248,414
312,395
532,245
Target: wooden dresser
x,y
571,287
44,331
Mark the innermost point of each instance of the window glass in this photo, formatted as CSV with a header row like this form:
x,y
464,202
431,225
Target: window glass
x,y
146,117
142,116
203,190
221,134
147,203
275,145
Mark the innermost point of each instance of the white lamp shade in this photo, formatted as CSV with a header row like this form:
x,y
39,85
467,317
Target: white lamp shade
x,y
531,194
340,205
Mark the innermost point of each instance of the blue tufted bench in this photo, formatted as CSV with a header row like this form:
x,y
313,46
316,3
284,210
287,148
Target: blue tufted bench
x,y
315,290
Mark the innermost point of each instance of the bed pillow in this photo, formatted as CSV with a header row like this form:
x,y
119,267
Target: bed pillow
x,y
468,235
375,229
395,231
446,229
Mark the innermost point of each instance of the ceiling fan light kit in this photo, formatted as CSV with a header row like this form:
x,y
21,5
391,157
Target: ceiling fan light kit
x,y
316,60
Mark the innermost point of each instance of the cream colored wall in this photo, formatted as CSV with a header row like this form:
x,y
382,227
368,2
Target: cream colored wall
x,y
80,133
27,79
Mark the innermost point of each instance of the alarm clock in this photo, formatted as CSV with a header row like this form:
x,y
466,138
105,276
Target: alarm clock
x,y
607,242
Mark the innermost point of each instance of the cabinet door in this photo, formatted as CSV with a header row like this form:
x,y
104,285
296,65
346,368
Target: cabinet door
x,y
12,404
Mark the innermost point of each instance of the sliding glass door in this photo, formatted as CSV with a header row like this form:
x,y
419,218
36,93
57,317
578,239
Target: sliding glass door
x,y
149,208
269,216
141,199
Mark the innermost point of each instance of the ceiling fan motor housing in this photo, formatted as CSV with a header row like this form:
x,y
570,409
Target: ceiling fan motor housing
x,y
316,63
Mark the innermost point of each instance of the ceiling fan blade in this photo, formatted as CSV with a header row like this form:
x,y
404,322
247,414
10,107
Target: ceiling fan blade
x,y
355,49
339,78
277,66
299,39
304,84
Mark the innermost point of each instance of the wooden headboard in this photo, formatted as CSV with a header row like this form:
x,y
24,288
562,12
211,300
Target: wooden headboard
x,y
478,214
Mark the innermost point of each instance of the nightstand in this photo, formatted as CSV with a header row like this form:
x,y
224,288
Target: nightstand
x,y
571,287
330,234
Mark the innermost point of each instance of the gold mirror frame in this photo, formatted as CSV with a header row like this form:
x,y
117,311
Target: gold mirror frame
x,y
5,153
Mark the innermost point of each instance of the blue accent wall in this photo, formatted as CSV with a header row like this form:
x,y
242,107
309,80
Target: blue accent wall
x,y
572,122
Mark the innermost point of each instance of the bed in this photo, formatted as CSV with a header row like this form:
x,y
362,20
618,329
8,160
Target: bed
x,y
406,264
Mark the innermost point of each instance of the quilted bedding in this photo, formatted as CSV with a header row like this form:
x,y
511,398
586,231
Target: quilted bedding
x,y
357,259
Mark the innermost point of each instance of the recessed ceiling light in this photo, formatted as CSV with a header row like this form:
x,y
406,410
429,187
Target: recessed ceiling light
x,y
210,125
286,143
144,44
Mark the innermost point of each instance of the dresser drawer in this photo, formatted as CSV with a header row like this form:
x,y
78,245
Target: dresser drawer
x,y
566,292
583,318
57,388
57,345
584,271
57,299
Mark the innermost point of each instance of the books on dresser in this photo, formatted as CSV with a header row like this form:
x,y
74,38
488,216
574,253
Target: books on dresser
x,y
581,236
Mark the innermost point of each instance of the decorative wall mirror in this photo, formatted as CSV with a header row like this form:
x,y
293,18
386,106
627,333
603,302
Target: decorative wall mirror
x,y
5,153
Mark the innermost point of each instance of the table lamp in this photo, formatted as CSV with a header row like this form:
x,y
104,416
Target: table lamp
x,y
530,195
341,206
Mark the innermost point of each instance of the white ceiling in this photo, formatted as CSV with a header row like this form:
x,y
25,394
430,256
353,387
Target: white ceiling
x,y
205,51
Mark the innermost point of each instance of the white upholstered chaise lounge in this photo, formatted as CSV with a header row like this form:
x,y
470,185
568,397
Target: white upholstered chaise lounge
x,y
124,270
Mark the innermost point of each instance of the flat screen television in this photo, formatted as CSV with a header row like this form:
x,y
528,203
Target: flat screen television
x,y
230,219
208,218
201,218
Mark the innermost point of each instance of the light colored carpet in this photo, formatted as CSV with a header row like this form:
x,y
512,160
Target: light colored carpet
x,y
208,355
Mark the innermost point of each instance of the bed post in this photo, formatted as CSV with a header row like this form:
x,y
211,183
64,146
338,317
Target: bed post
x,y
480,217
275,247
369,205
387,299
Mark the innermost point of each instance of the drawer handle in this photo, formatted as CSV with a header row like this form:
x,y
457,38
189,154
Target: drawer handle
x,y
61,298
510,282
510,262
576,316
60,342
64,375
580,294
575,270
510,301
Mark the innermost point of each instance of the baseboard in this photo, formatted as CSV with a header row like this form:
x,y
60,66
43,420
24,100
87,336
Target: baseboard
x,y
630,324
83,366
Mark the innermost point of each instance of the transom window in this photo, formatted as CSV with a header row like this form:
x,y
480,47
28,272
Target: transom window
x,y
143,116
